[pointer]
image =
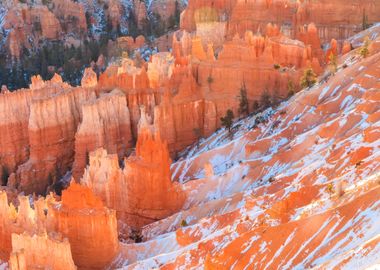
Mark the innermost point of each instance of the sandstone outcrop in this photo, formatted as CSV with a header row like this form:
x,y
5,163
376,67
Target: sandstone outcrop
x,y
90,227
52,126
337,19
79,217
201,11
105,123
89,78
143,191
14,120
29,24
30,252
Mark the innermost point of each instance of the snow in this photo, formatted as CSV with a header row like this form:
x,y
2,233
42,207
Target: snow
x,y
3,265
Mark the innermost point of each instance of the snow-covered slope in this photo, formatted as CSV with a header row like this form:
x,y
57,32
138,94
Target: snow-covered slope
x,y
297,189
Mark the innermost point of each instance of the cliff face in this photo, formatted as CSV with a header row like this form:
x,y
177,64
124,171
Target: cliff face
x,y
291,16
106,123
199,11
27,25
82,218
14,121
52,126
56,229
30,252
142,192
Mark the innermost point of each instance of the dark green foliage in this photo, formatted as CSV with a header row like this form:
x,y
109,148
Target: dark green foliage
x,y
255,106
291,89
227,120
276,66
265,100
243,105
184,223
4,176
68,61
37,26
309,78
364,52
365,24
210,79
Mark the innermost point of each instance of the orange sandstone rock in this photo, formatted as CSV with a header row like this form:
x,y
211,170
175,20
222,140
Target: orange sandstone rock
x,y
52,126
29,252
90,227
89,78
105,123
142,192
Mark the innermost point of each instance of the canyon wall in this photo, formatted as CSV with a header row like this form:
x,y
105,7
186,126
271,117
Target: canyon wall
x,y
338,19
56,229
106,123
142,192
52,126
30,252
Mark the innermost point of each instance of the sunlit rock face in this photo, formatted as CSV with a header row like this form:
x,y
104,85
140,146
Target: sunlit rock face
x,y
30,252
148,178
73,227
105,123
142,192
52,126
335,19
82,218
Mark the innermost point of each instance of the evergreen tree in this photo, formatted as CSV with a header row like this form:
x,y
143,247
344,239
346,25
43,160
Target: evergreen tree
x,y
291,90
333,63
265,100
309,78
243,106
364,52
227,120
365,24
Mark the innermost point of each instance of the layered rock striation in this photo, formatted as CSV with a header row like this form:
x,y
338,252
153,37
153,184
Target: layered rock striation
x,y
141,192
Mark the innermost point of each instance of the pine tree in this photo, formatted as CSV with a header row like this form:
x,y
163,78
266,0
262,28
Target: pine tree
x,y
333,65
256,106
364,52
265,100
290,88
365,24
227,120
243,106
309,78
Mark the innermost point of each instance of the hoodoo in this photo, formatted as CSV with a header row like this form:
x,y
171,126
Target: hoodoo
x,y
142,192
189,134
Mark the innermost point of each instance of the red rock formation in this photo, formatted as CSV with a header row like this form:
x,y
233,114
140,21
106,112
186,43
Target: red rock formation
x,y
160,69
129,43
90,227
126,77
105,123
14,120
143,191
29,24
52,126
334,19
80,217
251,62
89,78
205,11
140,12
346,47
30,252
